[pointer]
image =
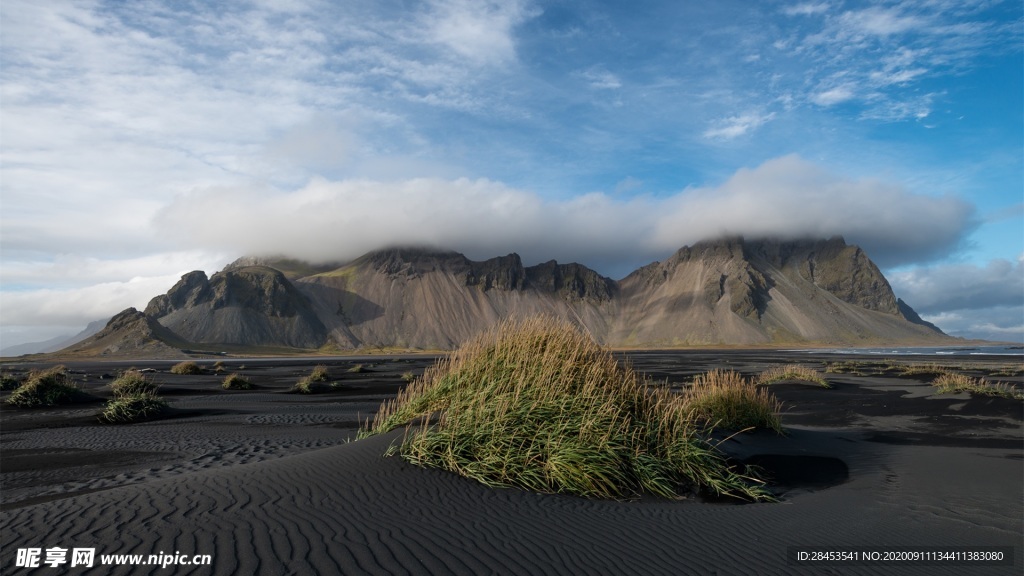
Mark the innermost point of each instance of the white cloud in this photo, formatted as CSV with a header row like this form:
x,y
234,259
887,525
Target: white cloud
x,y
74,270
790,197
884,52
79,306
879,21
787,197
834,96
806,9
736,126
481,31
601,79
41,300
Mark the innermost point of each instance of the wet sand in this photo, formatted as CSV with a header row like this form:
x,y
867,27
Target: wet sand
x,y
268,482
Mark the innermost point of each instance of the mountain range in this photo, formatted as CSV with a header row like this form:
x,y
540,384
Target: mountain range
x,y
724,292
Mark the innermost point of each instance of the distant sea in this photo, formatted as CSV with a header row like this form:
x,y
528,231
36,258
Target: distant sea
x,y
1012,350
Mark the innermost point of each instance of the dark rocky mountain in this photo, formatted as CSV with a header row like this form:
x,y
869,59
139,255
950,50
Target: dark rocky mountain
x,y
731,291
131,333
242,306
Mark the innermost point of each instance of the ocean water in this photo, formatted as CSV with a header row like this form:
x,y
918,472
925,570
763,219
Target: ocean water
x,y
1010,350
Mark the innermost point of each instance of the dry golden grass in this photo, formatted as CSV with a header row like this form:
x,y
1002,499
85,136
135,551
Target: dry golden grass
x,y
236,382
724,399
537,404
950,382
319,374
132,382
46,388
186,367
792,372
131,408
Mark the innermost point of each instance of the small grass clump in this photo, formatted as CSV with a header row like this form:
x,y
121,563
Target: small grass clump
x,y
847,367
47,388
303,386
132,382
358,369
319,374
1008,370
536,404
927,370
951,382
236,382
724,399
187,367
135,400
133,408
408,376
307,384
792,372
8,382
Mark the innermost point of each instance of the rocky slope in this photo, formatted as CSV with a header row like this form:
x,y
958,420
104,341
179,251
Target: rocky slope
x,y
242,306
131,333
732,291
764,292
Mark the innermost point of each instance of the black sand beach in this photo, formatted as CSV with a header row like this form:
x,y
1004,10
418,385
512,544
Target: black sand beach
x,y
267,482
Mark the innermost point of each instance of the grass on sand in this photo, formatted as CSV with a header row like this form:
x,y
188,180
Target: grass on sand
x,y
724,399
46,388
135,400
536,404
236,382
306,385
187,367
792,372
8,382
950,382
132,382
133,408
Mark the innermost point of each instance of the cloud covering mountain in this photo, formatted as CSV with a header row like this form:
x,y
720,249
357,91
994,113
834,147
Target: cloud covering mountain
x,y
786,197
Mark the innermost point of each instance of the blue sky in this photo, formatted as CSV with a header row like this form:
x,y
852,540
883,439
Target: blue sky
x,y
145,139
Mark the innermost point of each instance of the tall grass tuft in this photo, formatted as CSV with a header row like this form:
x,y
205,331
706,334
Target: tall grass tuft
x,y
319,374
952,382
538,405
132,408
135,400
792,372
47,388
132,382
724,399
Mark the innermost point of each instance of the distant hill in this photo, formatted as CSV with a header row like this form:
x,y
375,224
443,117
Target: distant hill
x,y
53,344
724,292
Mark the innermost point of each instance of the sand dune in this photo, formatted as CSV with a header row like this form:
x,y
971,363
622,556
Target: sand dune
x,y
278,491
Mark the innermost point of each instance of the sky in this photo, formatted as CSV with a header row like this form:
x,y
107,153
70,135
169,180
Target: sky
x,y
141,140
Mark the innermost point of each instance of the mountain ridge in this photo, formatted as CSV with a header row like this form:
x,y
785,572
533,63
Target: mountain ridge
x,y
729,291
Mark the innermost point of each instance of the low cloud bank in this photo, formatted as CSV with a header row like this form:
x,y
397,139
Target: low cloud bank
x,y
786,197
